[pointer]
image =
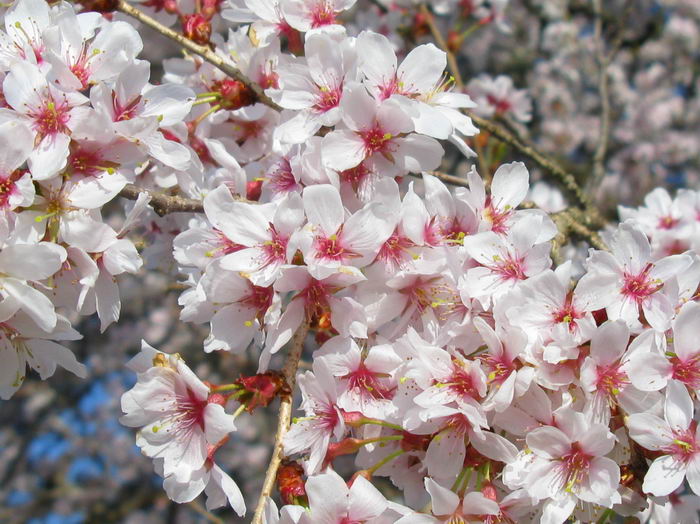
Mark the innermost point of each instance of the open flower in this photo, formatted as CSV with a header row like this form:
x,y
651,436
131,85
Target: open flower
x,y
676,437
171,406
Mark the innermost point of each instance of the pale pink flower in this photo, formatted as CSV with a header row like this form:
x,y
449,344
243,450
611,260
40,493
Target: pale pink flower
x,y
323,419
498,96
626,282
365,378
504,262
261,233
308,15
23,343
50,112
331,242
171,406
550,311
447,507
605,375
315,91
332,502
677,437
570,465
380,133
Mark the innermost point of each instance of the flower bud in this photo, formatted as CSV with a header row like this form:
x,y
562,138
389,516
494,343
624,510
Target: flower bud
x,y
197,28
290,483
260,389
253,190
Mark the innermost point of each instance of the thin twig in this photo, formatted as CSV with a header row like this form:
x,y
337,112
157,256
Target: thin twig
x,y
449,179
203,51
604,131
164,204
196,506
284,417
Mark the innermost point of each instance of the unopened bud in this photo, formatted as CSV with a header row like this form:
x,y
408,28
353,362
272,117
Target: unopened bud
x,y
290,483
197,28
253,190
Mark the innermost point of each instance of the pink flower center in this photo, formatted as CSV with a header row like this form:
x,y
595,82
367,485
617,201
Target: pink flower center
x,y
315,298
190,411
388,89
259,299
500,105
668,222
331,249
322,14
327,98
684,446
394,252
574,466
7,189
461,383
51,119
88,163
225,245
509,268
367,383
281,178
687,371
376,140
499,368
246,130
639,287
498,218
275,249
126,111
611,380
567,314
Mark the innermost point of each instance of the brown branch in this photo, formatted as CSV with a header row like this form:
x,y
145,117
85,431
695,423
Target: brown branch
x,y
570,221
203,51
448,179
284,417
164,204
604,131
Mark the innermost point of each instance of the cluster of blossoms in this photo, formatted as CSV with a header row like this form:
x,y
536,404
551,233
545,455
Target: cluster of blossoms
x,y
450,355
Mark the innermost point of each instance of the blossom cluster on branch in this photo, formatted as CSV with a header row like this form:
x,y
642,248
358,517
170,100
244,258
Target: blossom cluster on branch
x,y
456,340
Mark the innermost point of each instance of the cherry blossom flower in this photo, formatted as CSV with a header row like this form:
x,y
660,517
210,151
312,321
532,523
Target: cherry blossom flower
x,y
323,419
50,112
419,83
504,262
331,241
171,406
446,506
261,234
332,502
626,280
315,14
570,464
605,375
315,91
497,96
380,133
676,437
23,343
